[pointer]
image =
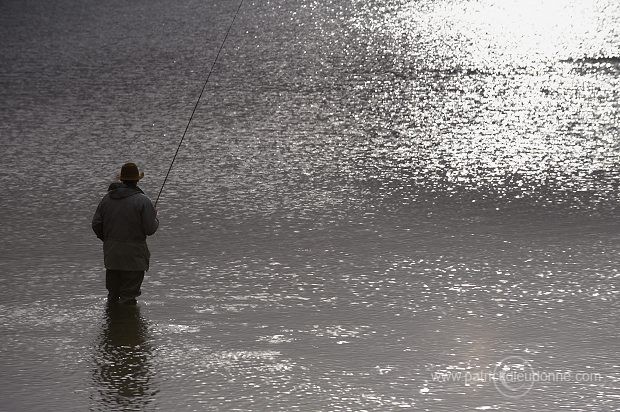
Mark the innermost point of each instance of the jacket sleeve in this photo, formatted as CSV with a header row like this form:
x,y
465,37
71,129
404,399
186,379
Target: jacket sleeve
x,y
150,223
97,223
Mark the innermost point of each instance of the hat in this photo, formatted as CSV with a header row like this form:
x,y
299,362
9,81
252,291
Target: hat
x,y
130,172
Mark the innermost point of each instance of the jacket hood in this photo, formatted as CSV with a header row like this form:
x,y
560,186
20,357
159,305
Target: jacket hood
x,y
121,191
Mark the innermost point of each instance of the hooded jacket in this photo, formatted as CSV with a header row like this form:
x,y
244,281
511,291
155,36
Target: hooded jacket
x,y
124,218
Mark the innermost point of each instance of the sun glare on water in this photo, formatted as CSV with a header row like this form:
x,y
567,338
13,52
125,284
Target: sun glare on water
x,y
491,33
519,95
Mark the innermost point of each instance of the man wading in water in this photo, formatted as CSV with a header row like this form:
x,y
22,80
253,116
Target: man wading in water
x,y
124,218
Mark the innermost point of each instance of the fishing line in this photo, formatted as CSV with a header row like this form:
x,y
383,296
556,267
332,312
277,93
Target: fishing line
x,y
204,86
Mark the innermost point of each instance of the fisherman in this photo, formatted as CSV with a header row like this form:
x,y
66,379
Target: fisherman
x,y
124,218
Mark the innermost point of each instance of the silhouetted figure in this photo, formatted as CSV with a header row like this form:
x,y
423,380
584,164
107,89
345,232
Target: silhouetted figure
x,y
123,375
124,218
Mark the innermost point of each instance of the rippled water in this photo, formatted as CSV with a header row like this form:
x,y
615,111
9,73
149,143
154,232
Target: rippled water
x,y
372,195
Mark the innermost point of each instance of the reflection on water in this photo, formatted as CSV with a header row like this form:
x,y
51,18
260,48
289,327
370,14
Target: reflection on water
x,y
481,102
123,374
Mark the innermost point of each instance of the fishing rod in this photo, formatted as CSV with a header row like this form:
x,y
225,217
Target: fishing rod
x,y
204,86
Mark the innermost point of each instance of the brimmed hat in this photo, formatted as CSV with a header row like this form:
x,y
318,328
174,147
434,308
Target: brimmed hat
x,y
130,172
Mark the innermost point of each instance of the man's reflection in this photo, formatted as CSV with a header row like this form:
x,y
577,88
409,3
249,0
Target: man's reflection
x,y
123,373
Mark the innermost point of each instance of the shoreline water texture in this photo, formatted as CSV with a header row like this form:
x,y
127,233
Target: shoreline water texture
x,y
372,196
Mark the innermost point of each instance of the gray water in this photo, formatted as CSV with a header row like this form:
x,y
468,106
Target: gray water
x,y
371,197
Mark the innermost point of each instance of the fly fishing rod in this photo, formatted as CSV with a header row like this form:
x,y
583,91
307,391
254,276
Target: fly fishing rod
x,y
204,86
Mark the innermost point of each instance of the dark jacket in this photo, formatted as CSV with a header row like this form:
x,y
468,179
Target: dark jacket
x,y
124,218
